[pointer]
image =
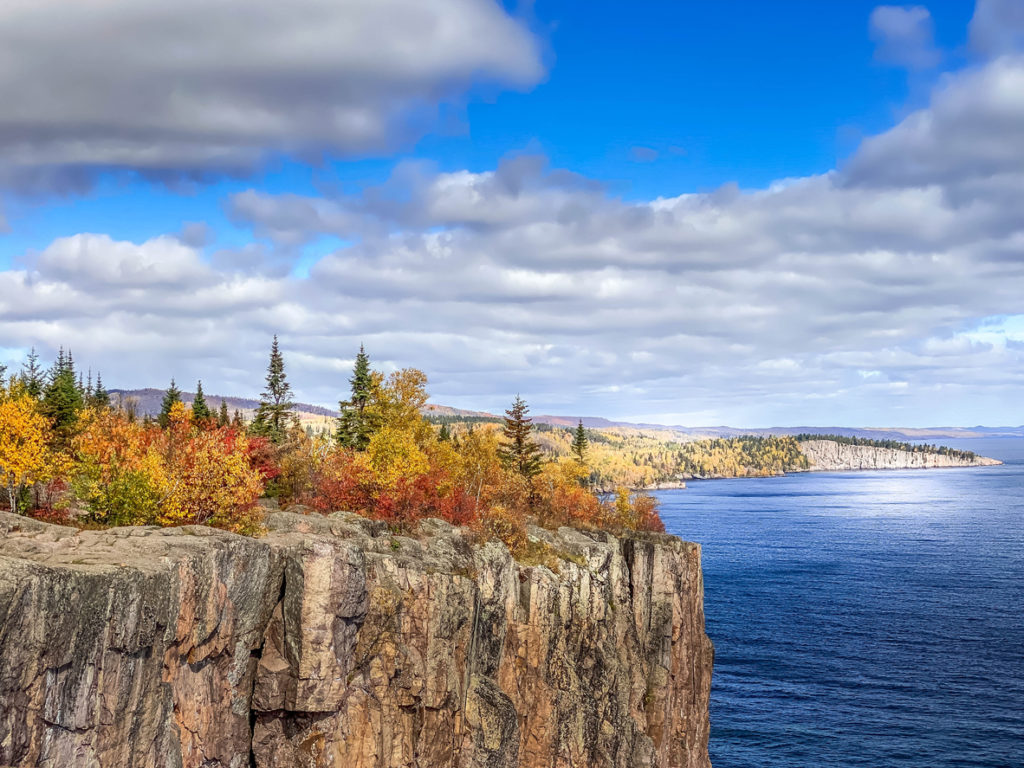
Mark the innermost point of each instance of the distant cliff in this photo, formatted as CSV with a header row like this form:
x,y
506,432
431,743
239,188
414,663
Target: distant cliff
x,y
830,456
332,643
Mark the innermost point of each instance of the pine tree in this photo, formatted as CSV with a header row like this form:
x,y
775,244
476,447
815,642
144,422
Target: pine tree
x,y
354,428
521,453
100,396
275,412
445,434
3,373
223,419
171,396
200,410
580,443
62,399
32,375
238,420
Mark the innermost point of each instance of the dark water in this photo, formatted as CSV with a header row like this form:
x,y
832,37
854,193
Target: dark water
x,y
865,619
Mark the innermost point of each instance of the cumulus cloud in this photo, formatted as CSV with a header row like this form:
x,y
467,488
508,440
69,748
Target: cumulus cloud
x,y
885,291
193,87
997,27
905,36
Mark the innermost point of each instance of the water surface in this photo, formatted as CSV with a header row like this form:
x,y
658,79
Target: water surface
x,y
865,619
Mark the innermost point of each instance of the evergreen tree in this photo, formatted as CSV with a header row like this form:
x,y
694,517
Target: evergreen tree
x,y
62,399
580,443
100,397
238,421
354,428
445,434
200,410
275,412
171,396
521,453
3,373
223,419
32,375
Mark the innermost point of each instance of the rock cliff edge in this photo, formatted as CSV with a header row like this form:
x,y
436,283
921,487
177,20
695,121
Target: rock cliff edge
x,y
830,456
332,642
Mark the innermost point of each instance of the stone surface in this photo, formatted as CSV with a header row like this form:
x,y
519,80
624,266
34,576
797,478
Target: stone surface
x,y
830,456
332,642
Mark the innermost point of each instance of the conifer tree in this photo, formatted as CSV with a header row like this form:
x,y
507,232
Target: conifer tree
x,y
238,421
100,397
354,428
445,434
62,399
223,419
200,410
275,412
171,396
580,443
3,373
521,453
32,375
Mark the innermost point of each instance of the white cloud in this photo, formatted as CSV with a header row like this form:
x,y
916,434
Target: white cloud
x,y
193,87
905,36
997,27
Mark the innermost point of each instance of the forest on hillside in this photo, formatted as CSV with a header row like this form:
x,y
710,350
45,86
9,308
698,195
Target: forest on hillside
x,y
71,454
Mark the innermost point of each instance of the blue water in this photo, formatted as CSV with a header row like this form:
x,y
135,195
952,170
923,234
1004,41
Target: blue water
x,y
865,619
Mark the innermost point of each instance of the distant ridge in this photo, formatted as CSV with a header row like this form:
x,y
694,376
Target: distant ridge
x,y
149,400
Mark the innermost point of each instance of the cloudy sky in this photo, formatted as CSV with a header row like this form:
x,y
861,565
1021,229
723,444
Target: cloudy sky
x,y
688,212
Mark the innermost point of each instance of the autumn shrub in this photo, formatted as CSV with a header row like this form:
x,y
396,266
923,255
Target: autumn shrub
x,y
25,457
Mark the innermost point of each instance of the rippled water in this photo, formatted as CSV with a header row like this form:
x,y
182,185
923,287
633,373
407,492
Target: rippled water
x,y
865,619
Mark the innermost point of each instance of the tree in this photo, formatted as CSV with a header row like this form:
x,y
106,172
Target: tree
x,y
171,396
580,443
100,396
223,419
444,434
354,428
520,453
200,410
32,375
62,398
275,411
23,451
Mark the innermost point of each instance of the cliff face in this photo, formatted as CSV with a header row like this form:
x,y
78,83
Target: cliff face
x,y
330,642
830,456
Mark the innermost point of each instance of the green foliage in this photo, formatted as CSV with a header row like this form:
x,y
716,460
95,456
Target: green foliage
x,y
171,396
580,443
99,397
63,399
520,452
200,410
32,375
895,445
275,412
223,419
354,425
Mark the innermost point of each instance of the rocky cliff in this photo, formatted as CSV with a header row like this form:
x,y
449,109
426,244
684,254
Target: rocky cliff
x,y
331,642
830,456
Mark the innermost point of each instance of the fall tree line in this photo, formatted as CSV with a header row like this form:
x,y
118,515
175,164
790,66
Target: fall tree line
x,y
71,454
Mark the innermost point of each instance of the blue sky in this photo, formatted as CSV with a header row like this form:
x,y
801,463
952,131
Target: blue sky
x,y
596,107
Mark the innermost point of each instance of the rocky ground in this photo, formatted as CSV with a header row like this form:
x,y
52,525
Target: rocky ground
x,y
333,642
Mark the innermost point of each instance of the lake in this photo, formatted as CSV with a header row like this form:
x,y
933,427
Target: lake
x,y
865,619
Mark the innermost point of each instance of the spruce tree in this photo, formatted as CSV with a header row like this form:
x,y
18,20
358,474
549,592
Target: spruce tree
x,y
521,453
32,375
238,420
62,398
354,428
171,396
200,410
445,434
100,397
223,419
580,443
275,412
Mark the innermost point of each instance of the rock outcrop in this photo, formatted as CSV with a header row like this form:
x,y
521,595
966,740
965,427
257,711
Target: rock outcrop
x,y
331,642
830,456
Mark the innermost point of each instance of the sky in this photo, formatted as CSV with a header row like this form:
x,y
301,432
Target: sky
x,y
739,212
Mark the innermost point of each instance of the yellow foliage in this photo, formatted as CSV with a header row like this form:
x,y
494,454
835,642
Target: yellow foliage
x,y
24,455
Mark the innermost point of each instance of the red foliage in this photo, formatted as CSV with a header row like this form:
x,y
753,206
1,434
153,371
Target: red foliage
x,y
262,454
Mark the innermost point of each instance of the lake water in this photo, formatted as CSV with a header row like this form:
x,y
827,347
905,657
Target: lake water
x,y
865,619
